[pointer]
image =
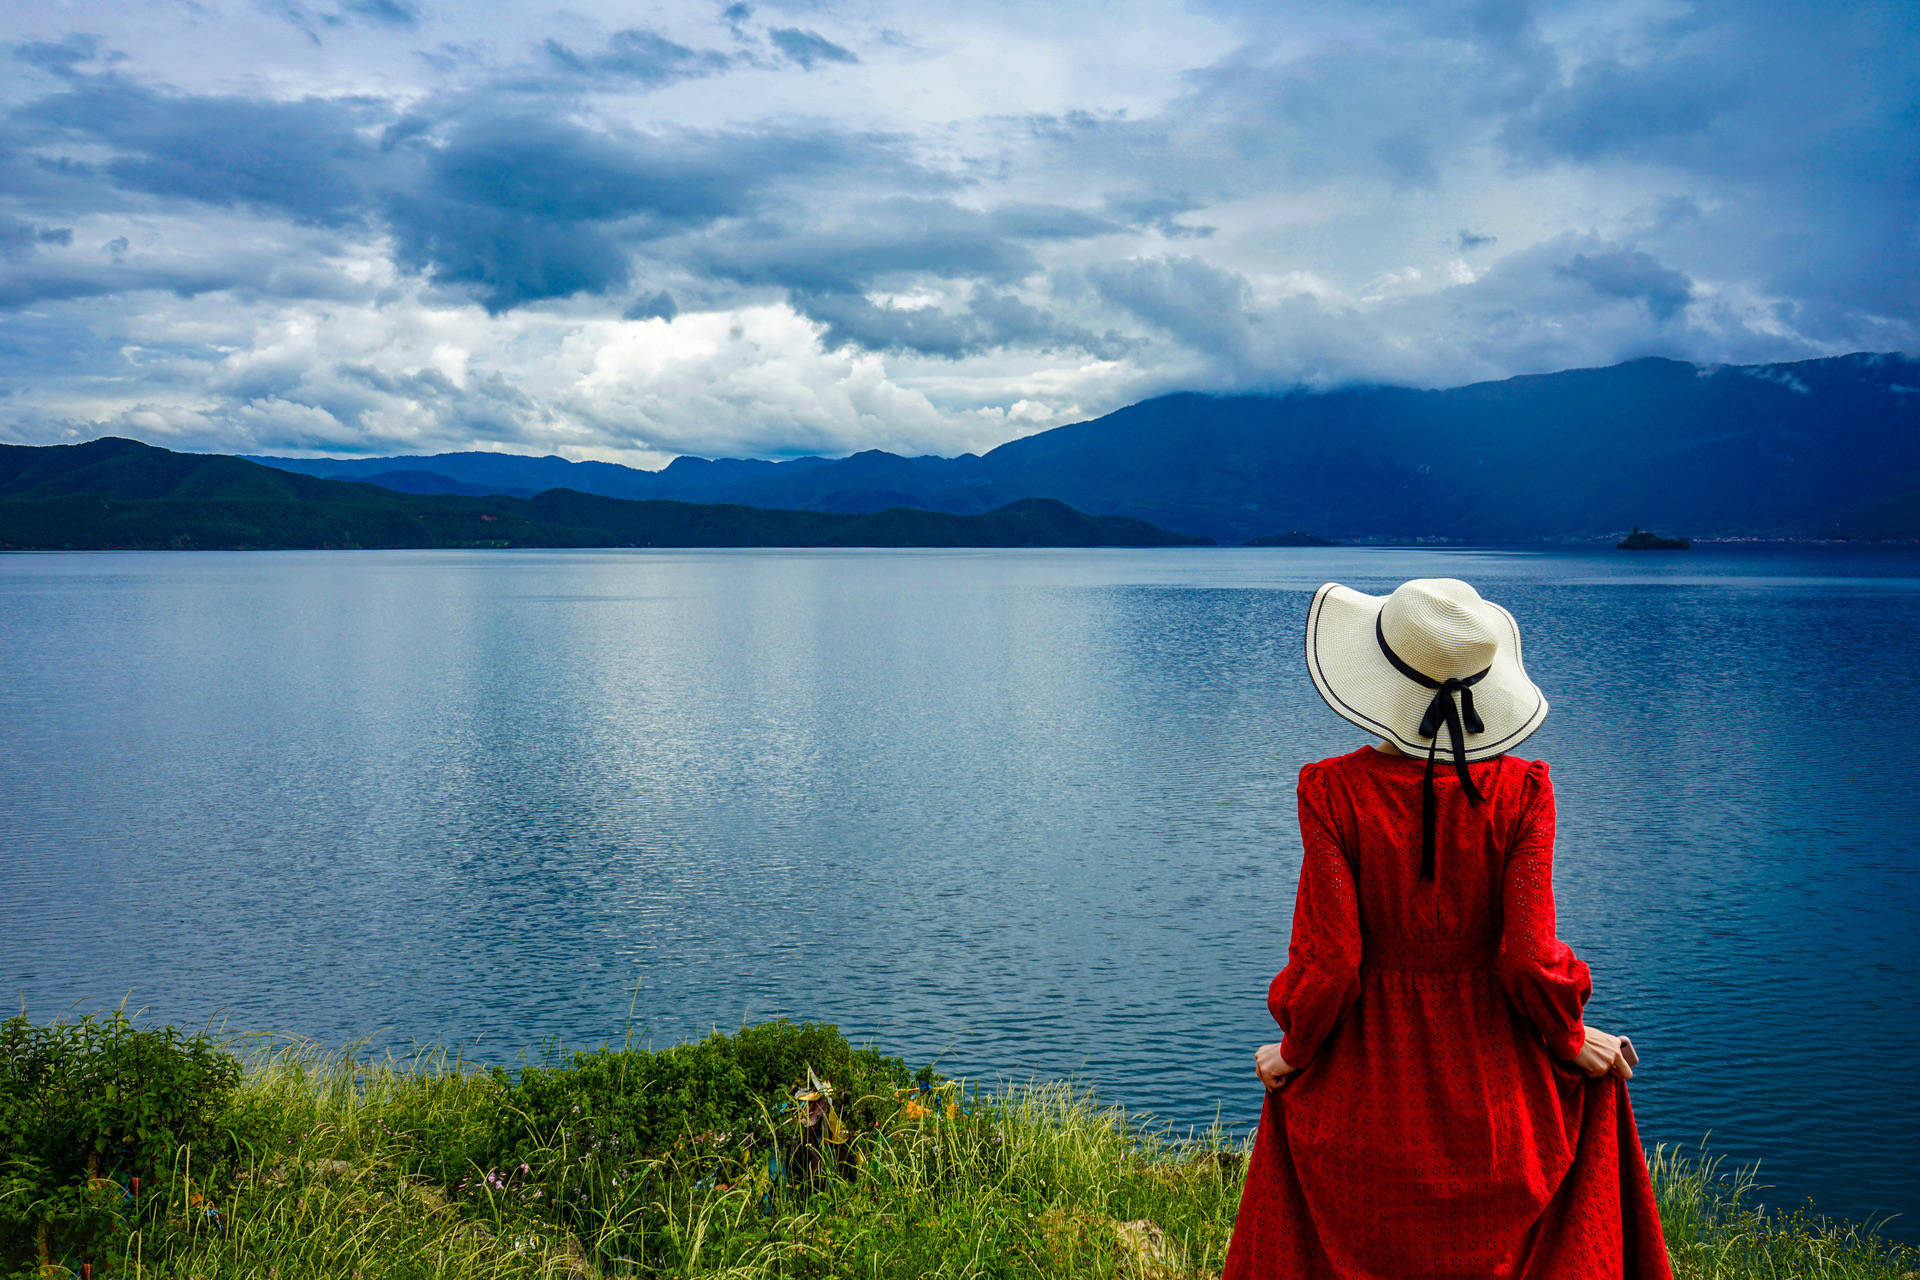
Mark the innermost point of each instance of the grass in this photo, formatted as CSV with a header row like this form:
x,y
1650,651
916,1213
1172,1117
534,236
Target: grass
x,y
331,1180
1715,1230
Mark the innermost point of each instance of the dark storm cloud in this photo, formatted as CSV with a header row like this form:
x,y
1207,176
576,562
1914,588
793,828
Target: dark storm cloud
x,y
306,159
313,20
59,57
41,282
1628,273
1159,210
519,206
1796,127
1408,159
808,48
659,306
878,241
989,320
1395,114
20,239
1198,305
552,169
852,319
1611,109
827,267
1791,133
1570,301
510,257
1029,221
640,56
527,208
394,13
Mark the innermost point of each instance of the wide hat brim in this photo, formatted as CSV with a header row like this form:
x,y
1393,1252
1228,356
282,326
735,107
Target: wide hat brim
x,y
1360,683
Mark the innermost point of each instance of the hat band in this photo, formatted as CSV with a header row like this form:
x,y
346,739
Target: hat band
x,y
1452,706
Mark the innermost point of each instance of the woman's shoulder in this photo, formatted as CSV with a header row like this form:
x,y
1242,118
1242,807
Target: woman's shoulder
x,y
1516,785
1515,774
1318,772
1528,774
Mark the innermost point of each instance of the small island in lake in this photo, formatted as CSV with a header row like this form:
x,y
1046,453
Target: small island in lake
x,y
1292,538
1642,540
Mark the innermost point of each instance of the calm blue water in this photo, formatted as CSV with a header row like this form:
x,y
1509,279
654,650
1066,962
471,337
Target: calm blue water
x,y
1022,812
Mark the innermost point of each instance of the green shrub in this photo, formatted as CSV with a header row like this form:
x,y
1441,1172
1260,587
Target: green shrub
x,y
87,1106
588,1143
639,1104
624,1103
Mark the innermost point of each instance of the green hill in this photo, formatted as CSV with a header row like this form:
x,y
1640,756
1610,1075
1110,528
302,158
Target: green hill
x,y
120,494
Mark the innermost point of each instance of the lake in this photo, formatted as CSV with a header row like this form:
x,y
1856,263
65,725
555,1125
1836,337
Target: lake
x,y
1023,813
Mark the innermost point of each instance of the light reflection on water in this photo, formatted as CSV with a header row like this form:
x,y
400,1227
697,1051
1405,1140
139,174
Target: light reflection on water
x,y
1029,812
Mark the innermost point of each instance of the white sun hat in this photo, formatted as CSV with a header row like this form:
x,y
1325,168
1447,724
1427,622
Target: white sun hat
x,y
1431,667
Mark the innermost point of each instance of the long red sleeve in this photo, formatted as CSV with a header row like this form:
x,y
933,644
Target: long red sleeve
x,y
1542,976
1322,978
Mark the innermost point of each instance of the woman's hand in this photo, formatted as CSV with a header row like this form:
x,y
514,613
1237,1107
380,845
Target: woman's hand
x,y
1270,1066
1601,1054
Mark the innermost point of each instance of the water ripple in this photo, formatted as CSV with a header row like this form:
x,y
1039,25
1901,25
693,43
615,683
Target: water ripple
x,y
1029,813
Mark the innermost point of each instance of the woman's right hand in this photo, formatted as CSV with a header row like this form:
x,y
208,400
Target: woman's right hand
x,y
1272,1069
1601,1054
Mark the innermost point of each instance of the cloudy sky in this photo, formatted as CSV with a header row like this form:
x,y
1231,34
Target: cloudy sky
x,y
631,231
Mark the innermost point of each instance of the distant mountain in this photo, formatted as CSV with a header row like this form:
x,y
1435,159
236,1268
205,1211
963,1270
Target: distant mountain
x,y
433,482
1817,448
685,479
114,493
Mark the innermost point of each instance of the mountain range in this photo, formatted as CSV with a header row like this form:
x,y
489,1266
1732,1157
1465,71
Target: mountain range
x,y
1825,448
115,493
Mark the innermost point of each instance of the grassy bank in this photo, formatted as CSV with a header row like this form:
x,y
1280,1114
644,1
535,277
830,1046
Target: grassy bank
x,y
694,1162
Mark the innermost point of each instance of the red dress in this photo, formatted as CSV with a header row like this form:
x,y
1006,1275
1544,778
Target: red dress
x,y
1434,1128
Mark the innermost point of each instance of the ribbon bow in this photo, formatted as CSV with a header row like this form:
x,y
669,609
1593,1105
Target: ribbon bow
x,y
1452,706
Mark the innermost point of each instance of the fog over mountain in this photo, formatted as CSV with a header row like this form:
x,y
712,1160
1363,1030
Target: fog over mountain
x,y
331,227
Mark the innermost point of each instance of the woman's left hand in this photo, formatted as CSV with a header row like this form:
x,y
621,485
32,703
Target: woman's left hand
x,y
1270,1066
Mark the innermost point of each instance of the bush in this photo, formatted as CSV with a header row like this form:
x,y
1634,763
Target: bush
x,y
87,1106
587,1142
640,1104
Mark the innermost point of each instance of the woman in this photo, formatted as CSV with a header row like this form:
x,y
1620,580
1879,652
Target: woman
x,y
1436,1107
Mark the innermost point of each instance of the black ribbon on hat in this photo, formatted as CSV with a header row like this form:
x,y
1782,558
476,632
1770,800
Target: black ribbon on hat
x,y
1452,706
